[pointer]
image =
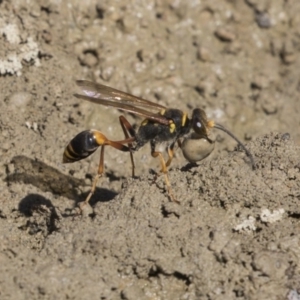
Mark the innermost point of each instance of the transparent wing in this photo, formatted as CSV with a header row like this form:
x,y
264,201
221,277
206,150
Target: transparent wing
x,y
105,95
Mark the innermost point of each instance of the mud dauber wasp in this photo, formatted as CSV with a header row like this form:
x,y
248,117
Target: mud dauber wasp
x,y
161,124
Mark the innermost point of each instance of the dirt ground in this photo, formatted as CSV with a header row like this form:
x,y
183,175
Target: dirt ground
x,y
235,233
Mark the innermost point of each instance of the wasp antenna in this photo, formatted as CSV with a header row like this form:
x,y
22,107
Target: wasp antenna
x,y
220,127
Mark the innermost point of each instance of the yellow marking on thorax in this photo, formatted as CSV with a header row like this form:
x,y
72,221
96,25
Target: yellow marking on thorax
x,y
210,124
183,120
172,127
145,122
162,112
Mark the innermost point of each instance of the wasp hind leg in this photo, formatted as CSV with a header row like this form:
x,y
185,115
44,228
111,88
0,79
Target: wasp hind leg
x,y
86,143
103,141
127,128
96,179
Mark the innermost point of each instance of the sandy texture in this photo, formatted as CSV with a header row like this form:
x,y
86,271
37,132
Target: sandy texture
x,y
235,233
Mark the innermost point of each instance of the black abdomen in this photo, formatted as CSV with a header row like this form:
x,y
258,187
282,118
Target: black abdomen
x,y
81,146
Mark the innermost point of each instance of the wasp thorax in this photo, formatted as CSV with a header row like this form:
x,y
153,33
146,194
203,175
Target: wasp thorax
x,y
196,147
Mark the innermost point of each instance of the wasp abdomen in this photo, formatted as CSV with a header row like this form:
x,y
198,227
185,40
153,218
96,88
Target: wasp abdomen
x,y
81,146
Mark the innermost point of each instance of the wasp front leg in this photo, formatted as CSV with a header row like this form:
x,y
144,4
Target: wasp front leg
x,y
164,169
170,151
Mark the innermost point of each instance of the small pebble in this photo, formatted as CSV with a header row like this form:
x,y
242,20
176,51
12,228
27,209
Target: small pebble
x,y
269,106
85,209
107,73
19,99
203,54
34,126
263,20
225,35
286,136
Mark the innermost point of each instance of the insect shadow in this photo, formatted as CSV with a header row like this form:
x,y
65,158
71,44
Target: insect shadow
x,y
35,203
49,179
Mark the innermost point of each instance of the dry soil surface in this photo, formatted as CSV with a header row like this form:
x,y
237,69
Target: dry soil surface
x,y
235,233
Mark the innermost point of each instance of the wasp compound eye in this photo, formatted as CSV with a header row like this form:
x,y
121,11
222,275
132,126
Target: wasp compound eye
x,y
195,147
199,122
198,125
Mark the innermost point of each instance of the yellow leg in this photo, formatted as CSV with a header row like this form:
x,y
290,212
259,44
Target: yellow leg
x,y
95,181
163,170
170,154
103,141
126,126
